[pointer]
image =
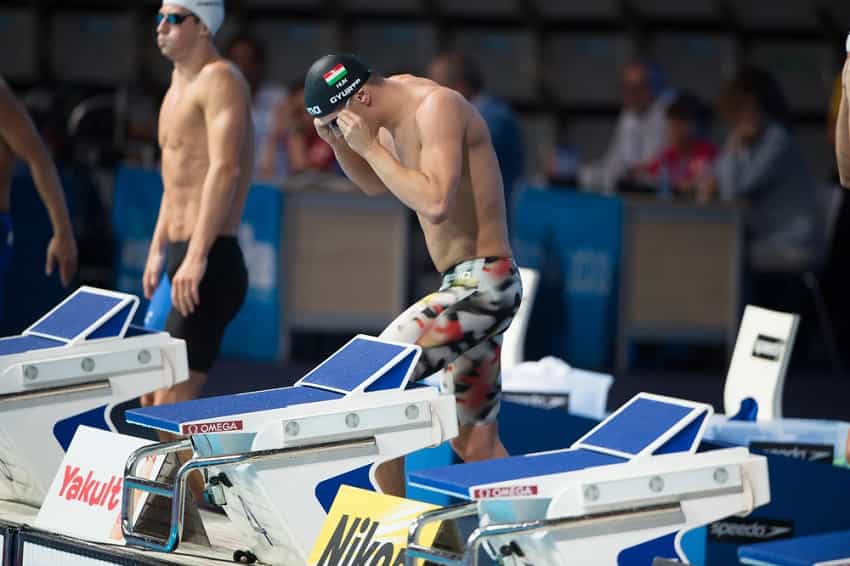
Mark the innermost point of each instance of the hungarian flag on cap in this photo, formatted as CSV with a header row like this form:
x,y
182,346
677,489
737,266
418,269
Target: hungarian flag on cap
x,y
335,75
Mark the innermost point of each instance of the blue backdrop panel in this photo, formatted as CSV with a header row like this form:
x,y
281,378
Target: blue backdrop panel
x,y
135,207
574,239
27,292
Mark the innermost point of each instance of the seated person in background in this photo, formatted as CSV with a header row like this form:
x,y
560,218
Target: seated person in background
x,y
293,131
762,164
641,129
686,162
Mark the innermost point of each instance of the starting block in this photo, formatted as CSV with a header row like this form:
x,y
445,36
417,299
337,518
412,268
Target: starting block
x,y
624,493
68,369
275,459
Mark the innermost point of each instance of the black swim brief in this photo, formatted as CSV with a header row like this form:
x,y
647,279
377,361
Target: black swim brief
x,y
222,292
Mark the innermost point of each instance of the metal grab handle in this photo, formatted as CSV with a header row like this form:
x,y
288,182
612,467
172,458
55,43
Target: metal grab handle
x,y
132,482
416,551
177,491
601,523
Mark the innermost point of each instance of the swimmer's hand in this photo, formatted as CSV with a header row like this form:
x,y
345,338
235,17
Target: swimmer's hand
x,y
329,135
62,251
153,273
359,135
184,289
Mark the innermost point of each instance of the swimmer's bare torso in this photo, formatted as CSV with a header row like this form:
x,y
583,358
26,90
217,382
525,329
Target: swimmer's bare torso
x,y
475,226
441,135
186,153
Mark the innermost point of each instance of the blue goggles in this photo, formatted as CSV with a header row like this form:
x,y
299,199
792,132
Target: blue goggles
x,y
173,19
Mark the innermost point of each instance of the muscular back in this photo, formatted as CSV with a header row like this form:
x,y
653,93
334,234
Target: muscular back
x,y
186,153
476,223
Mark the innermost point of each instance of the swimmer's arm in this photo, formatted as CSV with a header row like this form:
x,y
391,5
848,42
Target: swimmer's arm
x,y
356,169
842,134
429,191
226,114
19,133
159,240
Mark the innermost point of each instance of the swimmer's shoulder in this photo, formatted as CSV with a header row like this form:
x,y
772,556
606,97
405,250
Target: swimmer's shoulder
x,y
221,73
440,101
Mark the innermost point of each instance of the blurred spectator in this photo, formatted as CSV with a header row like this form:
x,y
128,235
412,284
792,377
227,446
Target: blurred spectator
x,y
293,130
249,54
763,165
460,73
641,130
686,162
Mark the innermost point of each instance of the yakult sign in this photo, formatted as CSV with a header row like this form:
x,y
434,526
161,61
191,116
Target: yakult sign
x,y
84,500
83,487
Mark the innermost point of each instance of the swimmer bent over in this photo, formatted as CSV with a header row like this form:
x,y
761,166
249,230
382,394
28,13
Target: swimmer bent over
x,y
431,149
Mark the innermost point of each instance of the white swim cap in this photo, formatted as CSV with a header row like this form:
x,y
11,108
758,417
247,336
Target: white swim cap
x,y
211,12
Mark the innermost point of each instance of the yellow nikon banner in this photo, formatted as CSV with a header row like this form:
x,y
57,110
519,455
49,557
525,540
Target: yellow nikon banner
x,y
365,528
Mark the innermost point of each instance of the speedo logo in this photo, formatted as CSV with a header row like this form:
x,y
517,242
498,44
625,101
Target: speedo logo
x,y
86,489
731,530
505,491
338,97
768,348
806,452
212,427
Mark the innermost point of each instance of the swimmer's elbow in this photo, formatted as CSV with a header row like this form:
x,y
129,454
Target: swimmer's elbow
x,y
437,213
229,172
440,199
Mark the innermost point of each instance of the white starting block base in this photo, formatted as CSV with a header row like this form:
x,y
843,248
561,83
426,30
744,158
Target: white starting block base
x,y
68,369
275,459
625,493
